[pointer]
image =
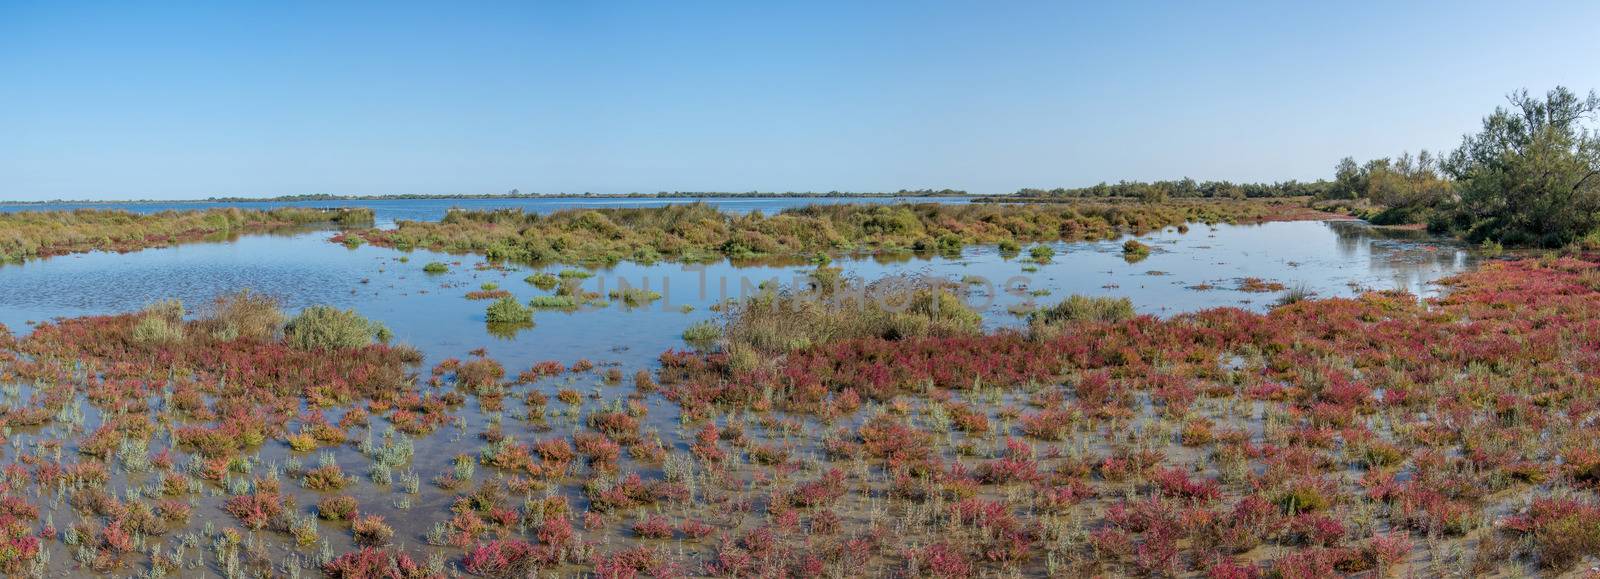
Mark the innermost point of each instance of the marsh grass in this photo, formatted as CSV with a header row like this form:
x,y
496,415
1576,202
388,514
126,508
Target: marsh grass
x,y
635,297
33,234
160,323
1295,295
1298,442
702,332
697,232
245,314
543,280
1080,308
327,328
1133,251
776,321
554,302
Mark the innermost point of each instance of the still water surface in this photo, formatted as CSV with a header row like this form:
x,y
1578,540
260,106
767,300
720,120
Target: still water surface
x,y
431,312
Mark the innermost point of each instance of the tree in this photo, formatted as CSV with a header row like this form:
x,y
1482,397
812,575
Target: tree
x,y
1348,180
1152,193
1530,176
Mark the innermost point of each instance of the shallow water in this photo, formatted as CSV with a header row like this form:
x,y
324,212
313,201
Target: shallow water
x,y
387,211
430,311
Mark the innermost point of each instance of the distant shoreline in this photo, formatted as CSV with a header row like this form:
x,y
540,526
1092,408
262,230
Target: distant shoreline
x,y
661,195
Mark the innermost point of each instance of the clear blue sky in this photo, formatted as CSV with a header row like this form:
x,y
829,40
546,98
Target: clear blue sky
x,y
115,100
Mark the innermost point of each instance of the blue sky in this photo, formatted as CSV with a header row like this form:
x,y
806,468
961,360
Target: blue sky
x,y
116,100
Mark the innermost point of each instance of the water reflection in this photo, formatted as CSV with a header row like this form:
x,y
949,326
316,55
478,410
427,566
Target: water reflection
x,y
1410,259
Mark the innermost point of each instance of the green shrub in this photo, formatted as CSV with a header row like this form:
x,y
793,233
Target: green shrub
x,y
1302,499
553,302
574,273
1080,308
543,280
1133,251
634,297
1042,253
436,267
329,328
508,311
703,331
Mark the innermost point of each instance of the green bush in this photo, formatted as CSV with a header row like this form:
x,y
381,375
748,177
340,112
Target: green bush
x,y
543,280
330,328
635,297
553,302
1042,253
1133,251
1080,308
508,311
703,331
435,267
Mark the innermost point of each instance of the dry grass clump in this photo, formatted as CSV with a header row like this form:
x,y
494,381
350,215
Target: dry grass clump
x,y
160,323
777,321
244,315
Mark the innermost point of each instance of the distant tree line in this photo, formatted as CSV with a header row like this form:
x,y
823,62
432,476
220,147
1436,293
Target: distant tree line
x,y
1186,187
517,194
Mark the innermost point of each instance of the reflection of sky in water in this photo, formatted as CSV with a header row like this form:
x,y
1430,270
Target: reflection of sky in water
x,y
430,312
